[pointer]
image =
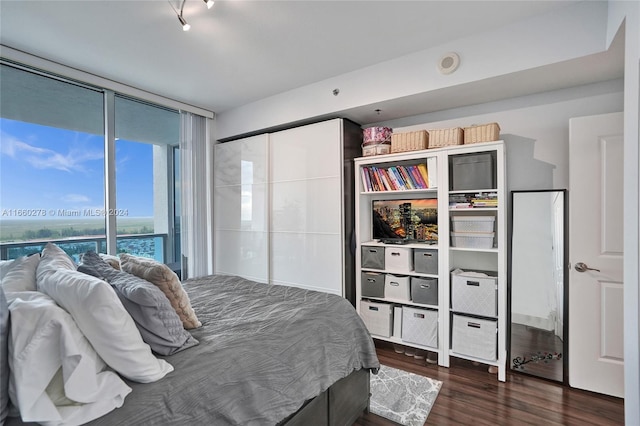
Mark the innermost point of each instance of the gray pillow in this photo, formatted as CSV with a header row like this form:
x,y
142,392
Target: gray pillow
x,y
4,357
158,323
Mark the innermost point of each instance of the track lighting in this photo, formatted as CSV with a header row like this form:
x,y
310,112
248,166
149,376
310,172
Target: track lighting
x,y
183,22
185,25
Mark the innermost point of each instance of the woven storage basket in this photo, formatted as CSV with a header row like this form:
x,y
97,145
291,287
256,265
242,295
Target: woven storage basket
x,y
482,133
409,141
445,137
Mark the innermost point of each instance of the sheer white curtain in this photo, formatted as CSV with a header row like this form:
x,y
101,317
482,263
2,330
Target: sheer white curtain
x,y
194,216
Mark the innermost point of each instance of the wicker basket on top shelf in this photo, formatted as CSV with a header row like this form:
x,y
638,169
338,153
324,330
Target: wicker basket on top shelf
x,y
439,138
409,141
482,133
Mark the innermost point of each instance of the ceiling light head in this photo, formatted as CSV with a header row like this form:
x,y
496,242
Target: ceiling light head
x,y
185,26
209,3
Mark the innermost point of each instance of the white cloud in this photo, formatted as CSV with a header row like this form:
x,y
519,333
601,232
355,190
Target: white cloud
x,y
76,198
44,158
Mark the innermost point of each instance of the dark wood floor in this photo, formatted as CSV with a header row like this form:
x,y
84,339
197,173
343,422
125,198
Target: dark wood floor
x,y
472,396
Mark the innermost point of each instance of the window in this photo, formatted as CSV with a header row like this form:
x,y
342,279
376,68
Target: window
x,y
53,174
146,136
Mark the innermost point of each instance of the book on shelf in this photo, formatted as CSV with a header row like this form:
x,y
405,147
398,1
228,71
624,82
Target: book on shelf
x,y
407,178
471,200
397,177
398,184
417,177
422,168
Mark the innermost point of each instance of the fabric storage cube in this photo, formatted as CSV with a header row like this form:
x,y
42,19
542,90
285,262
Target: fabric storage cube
x,y
398,259
372,284
474,292
397,321
424,290
377,317
425,261
420,326
475,337
472,171
397,287
372,257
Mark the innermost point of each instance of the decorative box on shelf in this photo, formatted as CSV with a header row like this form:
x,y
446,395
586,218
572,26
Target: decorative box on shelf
x,y
439,138
409,141
481,133
376,141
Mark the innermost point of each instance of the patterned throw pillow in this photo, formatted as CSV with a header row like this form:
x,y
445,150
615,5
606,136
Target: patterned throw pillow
x,y
158,323
162,276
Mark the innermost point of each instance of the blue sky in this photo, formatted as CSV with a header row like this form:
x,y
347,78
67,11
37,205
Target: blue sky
x,y
49,168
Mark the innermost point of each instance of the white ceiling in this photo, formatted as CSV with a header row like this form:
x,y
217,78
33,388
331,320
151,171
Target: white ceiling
x,y
242,51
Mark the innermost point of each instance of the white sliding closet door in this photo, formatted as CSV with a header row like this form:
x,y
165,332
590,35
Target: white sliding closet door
x,y
241,216
306,207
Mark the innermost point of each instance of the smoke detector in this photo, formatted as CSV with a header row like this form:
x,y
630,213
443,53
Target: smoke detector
x,y
448,63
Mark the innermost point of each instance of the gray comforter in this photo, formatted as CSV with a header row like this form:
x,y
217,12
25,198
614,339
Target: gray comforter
x,y
264,350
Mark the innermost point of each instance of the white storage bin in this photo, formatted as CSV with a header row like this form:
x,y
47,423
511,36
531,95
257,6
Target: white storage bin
x,y
472,223
478,240
475,337
397,321
397,287
377,317
474,292
420,326
398,259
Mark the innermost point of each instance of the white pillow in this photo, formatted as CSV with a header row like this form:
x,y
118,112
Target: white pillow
x,y
4,266
21,274
55,258
56,376
96,309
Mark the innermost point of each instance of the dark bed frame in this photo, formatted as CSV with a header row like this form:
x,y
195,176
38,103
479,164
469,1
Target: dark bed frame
x,y
340,405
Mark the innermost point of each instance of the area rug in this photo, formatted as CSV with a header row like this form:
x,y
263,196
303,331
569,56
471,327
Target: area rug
x,y
402,397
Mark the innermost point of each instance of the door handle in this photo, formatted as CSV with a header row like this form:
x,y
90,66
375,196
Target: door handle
x,y
582,267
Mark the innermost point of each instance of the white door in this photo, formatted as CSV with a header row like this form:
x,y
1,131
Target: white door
x,y
596,242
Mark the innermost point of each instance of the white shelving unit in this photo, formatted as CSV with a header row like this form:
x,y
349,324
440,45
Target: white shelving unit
x,y
449,257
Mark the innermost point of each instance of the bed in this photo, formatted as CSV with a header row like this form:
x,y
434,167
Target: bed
x,y
266,355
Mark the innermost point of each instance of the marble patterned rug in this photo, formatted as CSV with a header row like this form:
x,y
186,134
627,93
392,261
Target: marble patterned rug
x,y
402,397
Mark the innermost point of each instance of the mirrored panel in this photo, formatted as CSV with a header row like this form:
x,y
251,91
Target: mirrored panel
x,y
538,328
